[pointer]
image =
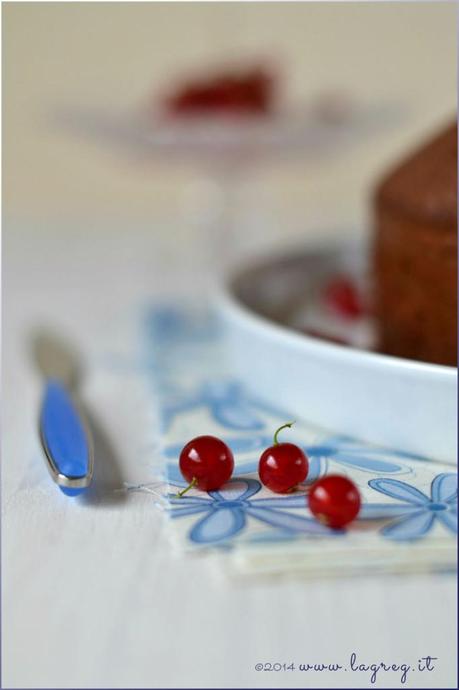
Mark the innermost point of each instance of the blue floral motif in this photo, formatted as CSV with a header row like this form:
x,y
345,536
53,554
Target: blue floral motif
x,y
224,513
227,404
230,406
352,455
415,513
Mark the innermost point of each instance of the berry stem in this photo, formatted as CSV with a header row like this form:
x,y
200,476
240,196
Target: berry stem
x,y
181,493
284,426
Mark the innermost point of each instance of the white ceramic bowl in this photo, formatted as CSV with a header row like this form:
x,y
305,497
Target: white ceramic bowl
x,y
408,405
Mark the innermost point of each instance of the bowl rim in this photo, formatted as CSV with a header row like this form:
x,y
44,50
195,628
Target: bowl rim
x,y
225,300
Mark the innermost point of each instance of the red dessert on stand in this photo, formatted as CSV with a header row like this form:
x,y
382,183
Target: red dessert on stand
x,y
229,92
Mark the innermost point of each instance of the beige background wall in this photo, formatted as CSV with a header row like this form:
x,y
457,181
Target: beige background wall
x,y
105,54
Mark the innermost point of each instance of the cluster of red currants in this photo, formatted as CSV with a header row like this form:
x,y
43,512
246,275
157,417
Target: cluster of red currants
x,y
206,462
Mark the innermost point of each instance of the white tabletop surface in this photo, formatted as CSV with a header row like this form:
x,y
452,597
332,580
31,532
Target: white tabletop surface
x,y
93,597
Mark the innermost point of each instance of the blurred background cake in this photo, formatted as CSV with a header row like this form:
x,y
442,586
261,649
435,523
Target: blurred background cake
x,y
415,254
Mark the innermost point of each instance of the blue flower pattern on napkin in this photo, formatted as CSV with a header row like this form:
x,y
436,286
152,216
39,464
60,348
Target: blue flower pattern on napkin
x,y
181,344
225,512
415,513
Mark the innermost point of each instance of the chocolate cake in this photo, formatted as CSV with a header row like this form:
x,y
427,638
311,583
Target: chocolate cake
x,y
415,254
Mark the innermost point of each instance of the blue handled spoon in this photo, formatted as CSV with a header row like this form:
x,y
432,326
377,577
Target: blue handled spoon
x,y
64,434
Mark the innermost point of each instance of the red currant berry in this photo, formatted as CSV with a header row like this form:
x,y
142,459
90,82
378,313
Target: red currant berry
x,y
342,297
334,500
283,466
206,462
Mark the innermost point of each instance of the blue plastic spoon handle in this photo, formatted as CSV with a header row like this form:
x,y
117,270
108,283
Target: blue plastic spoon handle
x,y
65,440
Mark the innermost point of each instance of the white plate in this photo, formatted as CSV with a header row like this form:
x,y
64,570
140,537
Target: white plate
x,y
408,405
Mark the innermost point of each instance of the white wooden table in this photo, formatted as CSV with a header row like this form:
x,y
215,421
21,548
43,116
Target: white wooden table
x,y
93,597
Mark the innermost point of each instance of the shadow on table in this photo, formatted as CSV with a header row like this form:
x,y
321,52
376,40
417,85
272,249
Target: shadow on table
x,y
107,484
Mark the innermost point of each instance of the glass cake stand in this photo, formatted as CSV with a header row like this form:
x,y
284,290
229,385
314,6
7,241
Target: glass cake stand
x,y
221,150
